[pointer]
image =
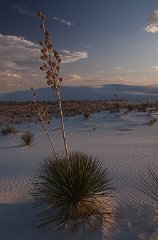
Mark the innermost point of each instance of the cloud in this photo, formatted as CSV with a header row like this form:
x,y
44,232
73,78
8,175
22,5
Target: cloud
x,y
97,80
152,25
119,67
75,77
19,67
30,12
24,10
131,70
155,68
10,75
20,8
73,80
73,56
66,22
151,28
18,53
21,59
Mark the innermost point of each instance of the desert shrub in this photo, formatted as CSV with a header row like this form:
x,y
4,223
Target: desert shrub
x,y
9,130
142,107
152,121
72,194
86,115
28,138
131,107
115,107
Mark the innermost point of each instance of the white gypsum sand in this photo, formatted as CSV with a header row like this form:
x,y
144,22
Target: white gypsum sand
x,y
124,143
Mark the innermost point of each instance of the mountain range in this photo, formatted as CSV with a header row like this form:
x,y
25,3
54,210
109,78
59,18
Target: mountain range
x,y
105,92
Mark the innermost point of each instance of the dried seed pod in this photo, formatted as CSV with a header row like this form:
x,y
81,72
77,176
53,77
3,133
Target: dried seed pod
x,y
49,82
42,26
43,17
39,13
41,43
53,64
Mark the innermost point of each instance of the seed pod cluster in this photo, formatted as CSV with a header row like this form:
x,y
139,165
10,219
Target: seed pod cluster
x,y
49,57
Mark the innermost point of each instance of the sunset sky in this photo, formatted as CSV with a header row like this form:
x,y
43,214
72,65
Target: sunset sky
x,y
100,42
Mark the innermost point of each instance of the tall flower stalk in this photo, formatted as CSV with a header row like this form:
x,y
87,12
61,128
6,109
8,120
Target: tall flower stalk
x,y
41,113
51,61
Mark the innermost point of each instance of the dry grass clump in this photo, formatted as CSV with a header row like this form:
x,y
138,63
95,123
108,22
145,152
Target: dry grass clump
x,y
86,114
9,130
27,138
69,195
152,121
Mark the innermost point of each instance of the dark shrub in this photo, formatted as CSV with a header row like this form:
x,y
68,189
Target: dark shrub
x,y
28,138
72,194
9,130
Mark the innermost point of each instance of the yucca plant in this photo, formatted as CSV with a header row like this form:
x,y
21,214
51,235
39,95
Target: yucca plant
x,y
28,138
73,189
150,185
72,196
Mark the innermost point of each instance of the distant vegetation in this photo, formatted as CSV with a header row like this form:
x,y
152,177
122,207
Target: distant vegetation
x,y
17,112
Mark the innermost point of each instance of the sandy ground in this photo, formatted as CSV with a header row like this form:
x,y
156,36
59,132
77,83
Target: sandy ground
x,y
124,143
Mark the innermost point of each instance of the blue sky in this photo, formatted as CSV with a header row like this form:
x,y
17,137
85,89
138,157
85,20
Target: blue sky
x,y
100,42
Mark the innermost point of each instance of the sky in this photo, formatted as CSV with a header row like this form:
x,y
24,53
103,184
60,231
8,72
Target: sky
x,y
100,42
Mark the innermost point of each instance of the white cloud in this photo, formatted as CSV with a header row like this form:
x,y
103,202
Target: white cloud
x,y
155,68
152,25
66,22
25,10
16,50
73,56
10,75
75,77
131,70
151,28
20,63
30,12
20,59
119,67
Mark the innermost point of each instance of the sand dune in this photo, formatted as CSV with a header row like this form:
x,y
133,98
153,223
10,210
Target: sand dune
x,y
122,142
